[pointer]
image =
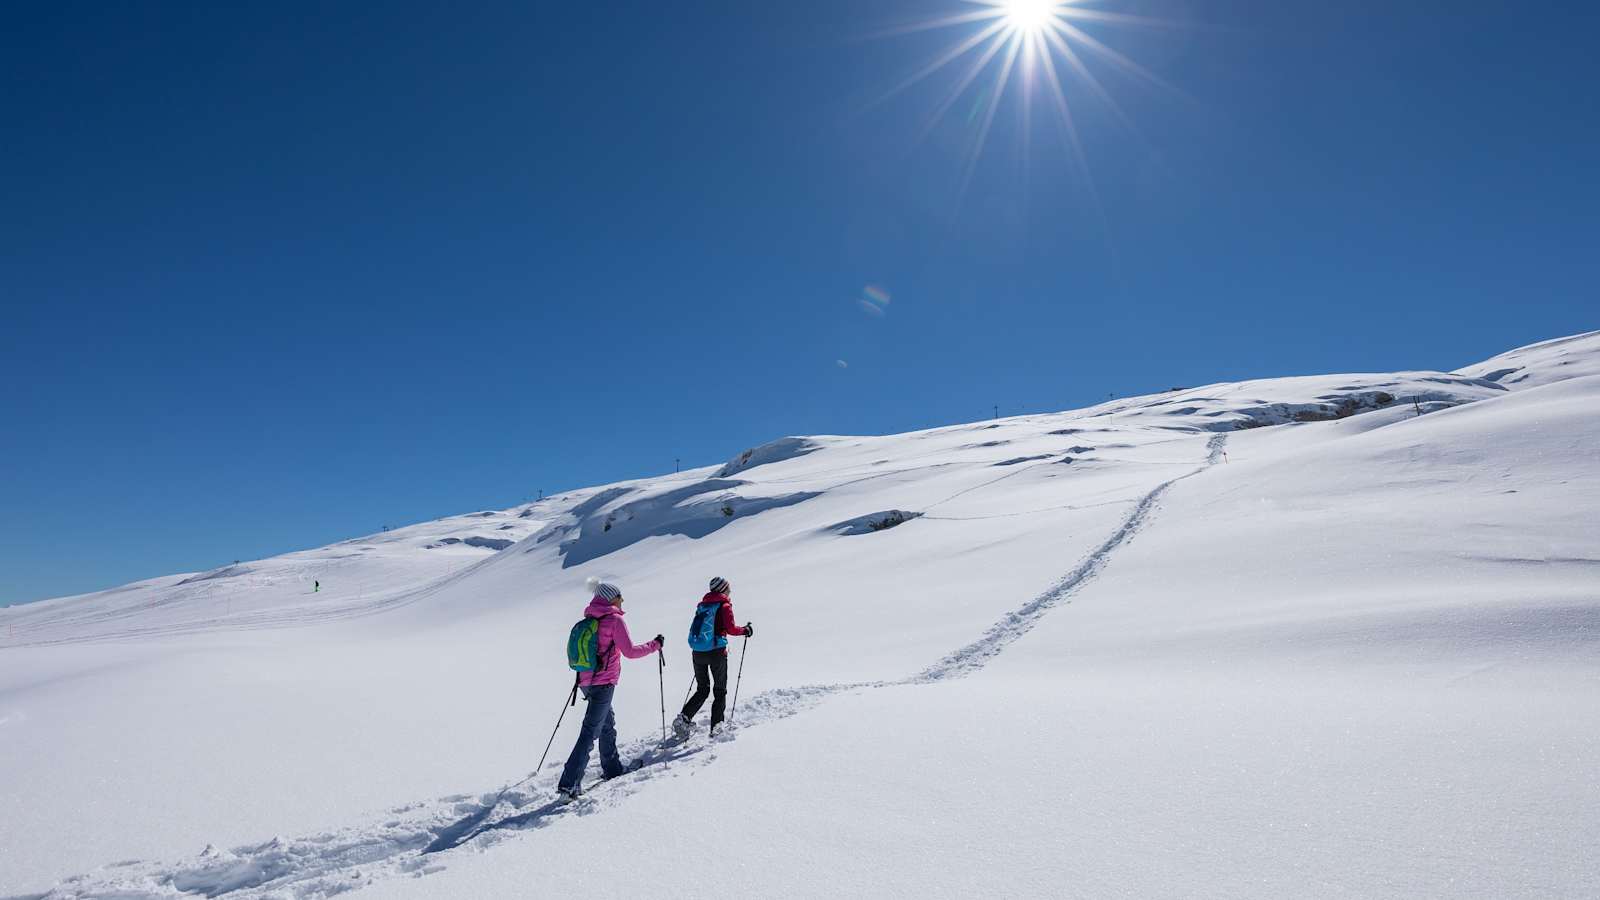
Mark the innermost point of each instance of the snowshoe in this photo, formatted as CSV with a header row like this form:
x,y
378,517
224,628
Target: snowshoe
x,y
634,766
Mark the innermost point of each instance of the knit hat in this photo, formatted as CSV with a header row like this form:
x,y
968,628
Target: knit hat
x,y
604,590
720,586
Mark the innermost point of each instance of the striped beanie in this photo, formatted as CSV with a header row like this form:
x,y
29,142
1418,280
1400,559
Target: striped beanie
x,y
605,590
720,586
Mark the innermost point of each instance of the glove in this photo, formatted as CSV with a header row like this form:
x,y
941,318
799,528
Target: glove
x,y
660,641
749,630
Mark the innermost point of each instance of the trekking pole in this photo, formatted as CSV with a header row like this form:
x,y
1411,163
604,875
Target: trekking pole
x,y
572,700
744,650
661,682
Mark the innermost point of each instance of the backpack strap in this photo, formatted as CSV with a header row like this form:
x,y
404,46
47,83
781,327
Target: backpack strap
x,y
601,654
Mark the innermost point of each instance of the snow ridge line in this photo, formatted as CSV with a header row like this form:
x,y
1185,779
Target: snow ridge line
x,y
321,865
1020,621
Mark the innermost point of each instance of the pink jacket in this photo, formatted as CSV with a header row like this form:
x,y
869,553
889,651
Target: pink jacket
x,y
613,636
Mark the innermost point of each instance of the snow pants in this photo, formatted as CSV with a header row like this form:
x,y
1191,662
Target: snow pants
x,y
599,721
710,677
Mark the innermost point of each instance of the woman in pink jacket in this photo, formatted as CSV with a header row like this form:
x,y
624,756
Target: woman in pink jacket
x,y
599,721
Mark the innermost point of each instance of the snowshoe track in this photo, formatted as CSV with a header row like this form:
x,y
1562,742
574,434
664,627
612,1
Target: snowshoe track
x,y
1020,621
411,839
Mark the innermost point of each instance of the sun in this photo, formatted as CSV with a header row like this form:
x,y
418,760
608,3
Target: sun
x,y
1041,48
1028,16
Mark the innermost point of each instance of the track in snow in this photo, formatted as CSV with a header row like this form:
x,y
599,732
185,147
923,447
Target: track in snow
x,y
411,839
1020,621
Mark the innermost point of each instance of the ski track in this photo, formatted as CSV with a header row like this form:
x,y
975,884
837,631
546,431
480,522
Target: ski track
x,y
409,841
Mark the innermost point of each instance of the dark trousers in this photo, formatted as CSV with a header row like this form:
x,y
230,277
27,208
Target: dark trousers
x,y
599,721
710,677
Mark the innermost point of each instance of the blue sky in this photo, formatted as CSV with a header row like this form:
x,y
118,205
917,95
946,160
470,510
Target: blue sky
x,y
275,275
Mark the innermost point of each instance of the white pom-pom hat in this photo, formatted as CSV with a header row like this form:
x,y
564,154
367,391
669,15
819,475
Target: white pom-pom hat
x,y
604,590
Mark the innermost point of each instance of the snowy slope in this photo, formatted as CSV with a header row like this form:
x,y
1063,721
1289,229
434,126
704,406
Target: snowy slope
x,y
1542,363
358,575
1349,655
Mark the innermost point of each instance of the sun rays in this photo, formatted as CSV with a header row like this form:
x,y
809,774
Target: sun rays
x,y
1041,49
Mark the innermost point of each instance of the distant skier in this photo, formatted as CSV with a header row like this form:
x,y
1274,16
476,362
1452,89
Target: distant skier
x,y
610,642
316,587
708,637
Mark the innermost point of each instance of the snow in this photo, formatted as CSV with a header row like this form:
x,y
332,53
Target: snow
x,y
358,576
770,452
1280,637
1542,363
1105,782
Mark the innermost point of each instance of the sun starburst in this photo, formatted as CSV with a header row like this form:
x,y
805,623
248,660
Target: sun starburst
x,y
1028,15
1038,46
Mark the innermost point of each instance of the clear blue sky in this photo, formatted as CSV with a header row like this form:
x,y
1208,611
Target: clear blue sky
x,y
274,275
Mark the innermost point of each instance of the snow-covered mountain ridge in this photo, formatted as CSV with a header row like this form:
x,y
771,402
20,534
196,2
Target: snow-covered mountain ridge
x,y
1305,636
376,571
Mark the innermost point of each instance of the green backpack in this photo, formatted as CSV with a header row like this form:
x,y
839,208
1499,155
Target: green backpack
x,y
583,646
